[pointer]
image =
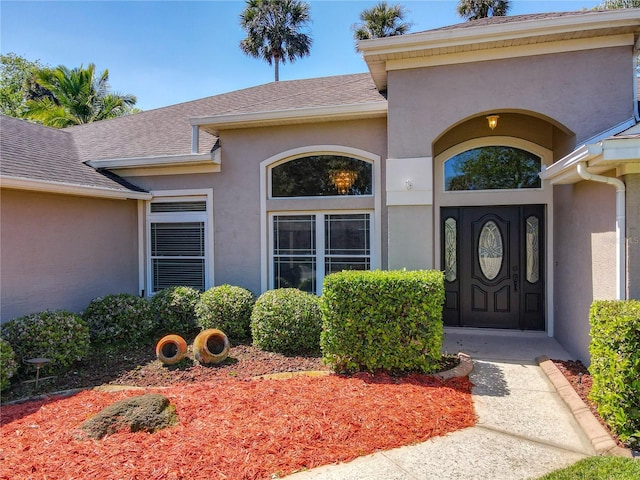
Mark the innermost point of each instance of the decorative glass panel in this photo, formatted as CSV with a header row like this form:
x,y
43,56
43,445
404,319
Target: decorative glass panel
x,y
492,168
490,251
321,175
450,250
533,250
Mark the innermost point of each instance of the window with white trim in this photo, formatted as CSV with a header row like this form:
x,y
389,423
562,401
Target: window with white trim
x,y
307,247
177,243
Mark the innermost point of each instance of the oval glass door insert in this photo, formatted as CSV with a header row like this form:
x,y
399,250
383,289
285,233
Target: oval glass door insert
x,y
490,251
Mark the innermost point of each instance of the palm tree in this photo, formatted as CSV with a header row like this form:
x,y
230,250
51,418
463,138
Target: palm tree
x,y
381,21
274,31
68,97
475,9
615,4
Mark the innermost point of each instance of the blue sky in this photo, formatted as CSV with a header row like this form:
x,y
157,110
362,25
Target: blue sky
x,y
167,52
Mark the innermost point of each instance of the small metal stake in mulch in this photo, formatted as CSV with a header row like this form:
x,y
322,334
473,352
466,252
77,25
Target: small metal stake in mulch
x,y
38,363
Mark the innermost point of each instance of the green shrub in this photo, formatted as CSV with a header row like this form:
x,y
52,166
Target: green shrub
x,y
60,336
175,309
615,366
390,320
287,321
8,365
119,320
226,308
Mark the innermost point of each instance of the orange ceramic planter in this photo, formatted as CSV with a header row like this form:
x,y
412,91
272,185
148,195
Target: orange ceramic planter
x,y
211,346
171,349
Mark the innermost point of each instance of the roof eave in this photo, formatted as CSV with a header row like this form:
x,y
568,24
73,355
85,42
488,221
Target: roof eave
x,y
601,154
156,161
213,124
62,188
376,52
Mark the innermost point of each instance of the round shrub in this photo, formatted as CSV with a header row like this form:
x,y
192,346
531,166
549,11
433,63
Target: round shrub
x,y
175,309
287,321
226,308
8,365
60,336
119,320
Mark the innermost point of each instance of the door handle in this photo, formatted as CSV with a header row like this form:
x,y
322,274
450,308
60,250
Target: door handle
x,y
515,282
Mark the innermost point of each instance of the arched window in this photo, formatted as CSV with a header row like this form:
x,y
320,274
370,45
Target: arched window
x,y
321,175
492,168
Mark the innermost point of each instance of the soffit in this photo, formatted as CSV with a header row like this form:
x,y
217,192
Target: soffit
x,y
502,36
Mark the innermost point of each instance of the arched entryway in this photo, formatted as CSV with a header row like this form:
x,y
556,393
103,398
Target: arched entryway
x,y
493,217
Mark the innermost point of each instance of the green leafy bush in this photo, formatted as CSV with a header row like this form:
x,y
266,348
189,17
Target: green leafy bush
x,y
8,365
119,320
389,320
175,309
60,336
287,321
615,366
226,308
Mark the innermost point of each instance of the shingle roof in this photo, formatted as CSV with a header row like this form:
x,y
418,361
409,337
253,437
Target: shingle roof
x,y
167,131
33,152
501,20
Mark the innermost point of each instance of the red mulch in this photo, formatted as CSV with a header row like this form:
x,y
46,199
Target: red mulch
x,y
234,428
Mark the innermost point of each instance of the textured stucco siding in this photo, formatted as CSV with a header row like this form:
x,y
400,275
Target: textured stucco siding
x,y
587,92
236,188
585,259
61,251
633,235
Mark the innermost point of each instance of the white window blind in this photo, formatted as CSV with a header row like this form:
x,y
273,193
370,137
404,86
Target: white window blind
x,y
177,244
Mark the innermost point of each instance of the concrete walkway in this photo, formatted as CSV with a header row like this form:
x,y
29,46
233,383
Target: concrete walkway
x,y
524,428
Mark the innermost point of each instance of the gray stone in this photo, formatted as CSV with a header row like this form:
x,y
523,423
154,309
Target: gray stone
x,y
145,413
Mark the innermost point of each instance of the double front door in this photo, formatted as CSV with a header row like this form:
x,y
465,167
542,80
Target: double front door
x,y
493,262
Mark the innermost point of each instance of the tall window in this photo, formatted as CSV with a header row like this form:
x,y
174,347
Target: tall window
x,y
492,168
308,247
177,244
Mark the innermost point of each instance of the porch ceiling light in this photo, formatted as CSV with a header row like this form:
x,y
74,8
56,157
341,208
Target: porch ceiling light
x,y
493,121
343,180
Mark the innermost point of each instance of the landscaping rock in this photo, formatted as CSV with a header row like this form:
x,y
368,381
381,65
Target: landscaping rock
x,y
146,413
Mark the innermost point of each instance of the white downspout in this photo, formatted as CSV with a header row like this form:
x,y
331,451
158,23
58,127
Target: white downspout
x,y
621,257
636,52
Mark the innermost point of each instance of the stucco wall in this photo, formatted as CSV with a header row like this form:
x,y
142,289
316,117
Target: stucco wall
x,y
584,261
633,234
236,188
587,92
61,251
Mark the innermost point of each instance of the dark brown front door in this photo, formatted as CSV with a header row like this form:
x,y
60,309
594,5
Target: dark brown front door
x,y
493,262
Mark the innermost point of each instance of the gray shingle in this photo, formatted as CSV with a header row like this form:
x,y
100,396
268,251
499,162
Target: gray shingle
x,y
530,17
34,152
167,131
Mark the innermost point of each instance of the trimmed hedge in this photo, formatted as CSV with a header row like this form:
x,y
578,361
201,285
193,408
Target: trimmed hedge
x,y
615,366
175,309
60,336
287,320
226,308
389,320
119,320
8,365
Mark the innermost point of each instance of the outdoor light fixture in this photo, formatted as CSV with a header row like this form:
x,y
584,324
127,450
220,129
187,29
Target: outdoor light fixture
x,y
343,180
493,121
